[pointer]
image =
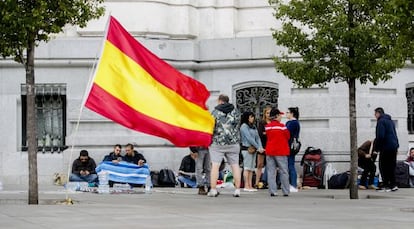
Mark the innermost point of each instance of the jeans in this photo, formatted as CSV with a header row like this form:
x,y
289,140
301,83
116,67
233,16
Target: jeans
x,y
203,165
185,180
91,178
369,171
280,162
292,171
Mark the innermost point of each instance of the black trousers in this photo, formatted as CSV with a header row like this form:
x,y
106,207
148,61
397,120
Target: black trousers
x,y
387,163
369,171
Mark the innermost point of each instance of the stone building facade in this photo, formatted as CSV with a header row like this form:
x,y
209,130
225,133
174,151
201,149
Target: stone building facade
x,y
226,44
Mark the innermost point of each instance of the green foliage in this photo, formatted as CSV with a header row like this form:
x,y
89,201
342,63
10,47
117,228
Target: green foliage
x,y
30,21
341,40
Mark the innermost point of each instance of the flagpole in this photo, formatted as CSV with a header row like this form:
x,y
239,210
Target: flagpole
x,y
87,91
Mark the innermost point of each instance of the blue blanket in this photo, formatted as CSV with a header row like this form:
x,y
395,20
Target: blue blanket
x,y
124,172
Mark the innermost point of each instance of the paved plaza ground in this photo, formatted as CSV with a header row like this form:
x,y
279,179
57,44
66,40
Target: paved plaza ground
x,y
183,208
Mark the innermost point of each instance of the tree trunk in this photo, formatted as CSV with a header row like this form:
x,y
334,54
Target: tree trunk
x,y
31,125
353,189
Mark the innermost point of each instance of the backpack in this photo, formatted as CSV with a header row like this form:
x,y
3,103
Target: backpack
x,y
313,167
402,175
155,178
166,178
339,181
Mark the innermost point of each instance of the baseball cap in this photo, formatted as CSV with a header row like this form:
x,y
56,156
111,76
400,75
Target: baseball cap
x,y
275,112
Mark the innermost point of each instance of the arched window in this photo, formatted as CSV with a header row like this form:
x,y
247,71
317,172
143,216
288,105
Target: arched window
x,y
255,96
409,92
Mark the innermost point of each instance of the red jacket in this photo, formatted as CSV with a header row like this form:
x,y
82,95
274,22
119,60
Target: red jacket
x,y
277,139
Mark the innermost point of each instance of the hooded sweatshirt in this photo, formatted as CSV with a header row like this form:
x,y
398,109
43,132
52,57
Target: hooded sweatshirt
x,y
386,136
226,128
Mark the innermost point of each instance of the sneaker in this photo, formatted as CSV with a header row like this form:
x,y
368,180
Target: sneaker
x,y
361,187
213,193
384,190
236,193
372,187
293,189
394,189
285,195
202,191
273,194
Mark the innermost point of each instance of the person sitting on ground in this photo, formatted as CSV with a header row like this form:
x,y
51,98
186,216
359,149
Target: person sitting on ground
x,y
83,168
132,156
114,156
186,173
366,161
410,162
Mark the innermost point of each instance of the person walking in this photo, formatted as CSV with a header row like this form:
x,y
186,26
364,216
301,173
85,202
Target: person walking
x,y
293,126
249,138
226,143
277,150
386,143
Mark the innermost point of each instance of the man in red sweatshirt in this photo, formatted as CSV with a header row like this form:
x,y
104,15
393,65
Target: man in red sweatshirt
x,y
277,150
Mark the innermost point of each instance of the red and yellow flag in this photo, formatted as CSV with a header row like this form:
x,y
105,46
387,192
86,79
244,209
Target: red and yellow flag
x,y
136,89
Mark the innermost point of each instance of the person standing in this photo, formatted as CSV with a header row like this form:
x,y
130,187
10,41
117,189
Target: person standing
x,y
260,164
386,143
249,138
293,126
366,160
226,143
83,168
277,150
203,167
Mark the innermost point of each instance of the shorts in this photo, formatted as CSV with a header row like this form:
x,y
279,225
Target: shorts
x,y
230,152
249,160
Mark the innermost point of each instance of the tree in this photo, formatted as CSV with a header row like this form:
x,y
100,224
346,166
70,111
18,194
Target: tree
x,y
23,25
343,41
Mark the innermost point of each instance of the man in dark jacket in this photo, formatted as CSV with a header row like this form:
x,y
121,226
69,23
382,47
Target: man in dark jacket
x,y
83,168
386,143
114,156
132,156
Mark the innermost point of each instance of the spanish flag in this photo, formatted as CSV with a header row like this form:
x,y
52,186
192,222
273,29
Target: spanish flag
x,y
136,89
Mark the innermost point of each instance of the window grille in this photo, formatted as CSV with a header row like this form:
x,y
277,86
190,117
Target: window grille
x,y
256,98
410,108
50,111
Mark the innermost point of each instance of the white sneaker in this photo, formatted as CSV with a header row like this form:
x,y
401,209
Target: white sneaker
x,y
213,193
293,189
236,193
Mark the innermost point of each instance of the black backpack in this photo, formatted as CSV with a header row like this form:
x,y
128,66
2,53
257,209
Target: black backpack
x,y
166,178
339,181
402,175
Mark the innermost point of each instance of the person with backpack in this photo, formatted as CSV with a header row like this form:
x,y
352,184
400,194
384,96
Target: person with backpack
x,y
277,150
293,126
386,143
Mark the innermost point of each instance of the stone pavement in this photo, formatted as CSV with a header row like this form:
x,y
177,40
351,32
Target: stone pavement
x,y
183,208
